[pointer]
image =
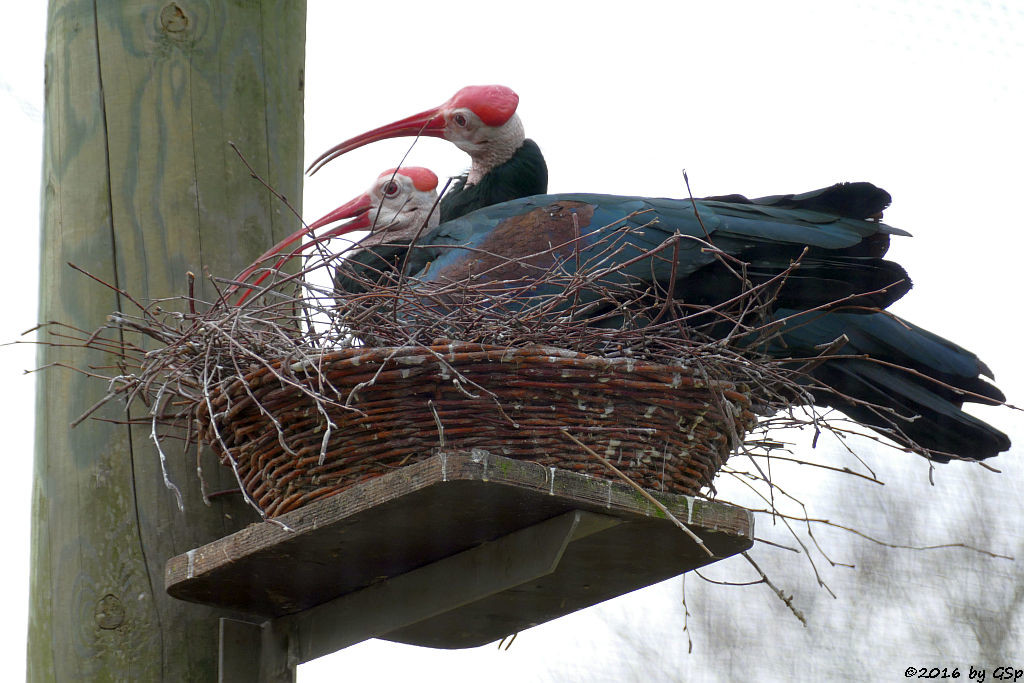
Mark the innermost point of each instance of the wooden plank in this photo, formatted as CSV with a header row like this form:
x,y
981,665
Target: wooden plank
x,y
445,505
139,186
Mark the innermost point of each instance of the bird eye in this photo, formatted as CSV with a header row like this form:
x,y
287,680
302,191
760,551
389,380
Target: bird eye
x,y
391,189
460,120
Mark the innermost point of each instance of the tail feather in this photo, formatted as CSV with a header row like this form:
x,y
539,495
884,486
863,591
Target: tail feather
x,y
909,411
918,379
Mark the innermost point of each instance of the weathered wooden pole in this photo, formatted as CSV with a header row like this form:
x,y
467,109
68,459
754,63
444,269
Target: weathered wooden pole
x,y
140,186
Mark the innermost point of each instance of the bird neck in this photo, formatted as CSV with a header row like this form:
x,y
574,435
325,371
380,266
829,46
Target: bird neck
x,y
500,147
522,175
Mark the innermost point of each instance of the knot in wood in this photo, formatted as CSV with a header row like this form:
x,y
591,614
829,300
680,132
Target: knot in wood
x,y
109,612
173,19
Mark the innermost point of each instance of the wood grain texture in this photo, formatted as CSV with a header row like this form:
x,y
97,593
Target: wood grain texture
x,y
139,186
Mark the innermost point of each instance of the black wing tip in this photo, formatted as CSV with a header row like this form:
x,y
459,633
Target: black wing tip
x,y
855,199
868,191
985,444
850,199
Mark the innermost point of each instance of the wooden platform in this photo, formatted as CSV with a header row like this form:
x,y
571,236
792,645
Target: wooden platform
x,y
456,551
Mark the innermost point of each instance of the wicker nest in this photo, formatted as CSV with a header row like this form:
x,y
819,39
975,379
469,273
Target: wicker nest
x,y
667,427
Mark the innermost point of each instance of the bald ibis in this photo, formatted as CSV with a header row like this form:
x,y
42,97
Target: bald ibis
x,y
400,200
480,120
844,241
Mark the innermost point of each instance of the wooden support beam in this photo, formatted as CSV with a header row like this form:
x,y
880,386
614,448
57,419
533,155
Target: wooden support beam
x,y
237,657
447,584
414,597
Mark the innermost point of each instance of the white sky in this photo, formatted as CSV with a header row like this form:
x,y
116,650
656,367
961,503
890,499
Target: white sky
x,y
925,99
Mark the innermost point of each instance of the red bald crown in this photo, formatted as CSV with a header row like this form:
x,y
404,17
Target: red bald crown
x,y
494,104
423,179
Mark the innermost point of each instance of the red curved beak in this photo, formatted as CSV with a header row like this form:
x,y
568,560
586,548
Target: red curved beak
x,y
358,209
430,123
